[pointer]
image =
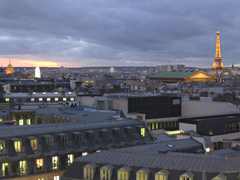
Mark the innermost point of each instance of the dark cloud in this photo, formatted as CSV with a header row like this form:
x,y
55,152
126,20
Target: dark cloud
x,y
103,32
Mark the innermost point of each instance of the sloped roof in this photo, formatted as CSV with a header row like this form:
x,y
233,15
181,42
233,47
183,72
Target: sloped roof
x,y
173,74
170,160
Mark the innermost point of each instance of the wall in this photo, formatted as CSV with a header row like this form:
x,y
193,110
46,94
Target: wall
x,y
198,108
120,104
86,100
187,127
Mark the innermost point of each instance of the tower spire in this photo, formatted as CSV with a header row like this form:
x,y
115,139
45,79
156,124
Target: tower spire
x,y
218,58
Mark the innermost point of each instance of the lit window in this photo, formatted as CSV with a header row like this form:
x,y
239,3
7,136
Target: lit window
x,y
4,169
124,173
56,178
208,149
64,99
21,122
17,146
98,150
84,153
28,121
143,132
40,99
39,164
44,93
40,178
89,171
187,176
55,92
69,92
55,162
71,99
34,93
2,147
153,126
70,159
143,174
32,99
1,119
23,167
162,175
56,99
34,144
106,172
48,99
156,125
7,99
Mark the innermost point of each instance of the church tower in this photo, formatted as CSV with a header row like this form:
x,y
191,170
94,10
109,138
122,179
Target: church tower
x,y
218,64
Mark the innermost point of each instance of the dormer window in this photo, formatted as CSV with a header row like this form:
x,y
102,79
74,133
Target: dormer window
x,y
143,174
117,132
49,141
92,135
124,173
162,175
18,145
64,138
143,132
89,171
44,93
106,172
33,142
187,176
78,137
2,146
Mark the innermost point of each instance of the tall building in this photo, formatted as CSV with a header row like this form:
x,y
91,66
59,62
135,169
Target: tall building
x,y
37,72
218,64
9,69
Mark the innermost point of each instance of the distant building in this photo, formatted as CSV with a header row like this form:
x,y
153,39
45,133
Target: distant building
x,y
9,69
112,70
183,76
37,72
177,67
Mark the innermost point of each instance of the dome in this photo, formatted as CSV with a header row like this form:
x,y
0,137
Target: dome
x,y
9,69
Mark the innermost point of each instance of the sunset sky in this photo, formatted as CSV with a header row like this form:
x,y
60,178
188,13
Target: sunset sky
x,y
71,33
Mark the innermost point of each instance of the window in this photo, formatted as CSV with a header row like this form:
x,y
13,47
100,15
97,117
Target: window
x,y
208,149
64,139
50,141
2,147
187,176
17,146
56,99
55,162
56,178
40,99
32,99
153,126
162,175
20,122
143,174
156,125
4,169
106,172
159,177
70,159
7,99
89,171
78,138
143,132
1,119
84,153
64,99
48,99
124,173
93,136
71,99
39,164
28,121
34,144
23,167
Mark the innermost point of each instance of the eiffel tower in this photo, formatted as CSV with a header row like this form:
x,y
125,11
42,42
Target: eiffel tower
x,y
218,59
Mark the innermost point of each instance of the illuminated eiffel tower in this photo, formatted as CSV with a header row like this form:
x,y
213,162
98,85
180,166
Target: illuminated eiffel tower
x,y
218,59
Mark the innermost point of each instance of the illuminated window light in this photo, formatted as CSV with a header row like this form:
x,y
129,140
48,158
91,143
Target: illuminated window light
x,y
7,99
71,99
40,99
48,99
32,99
56,99
175,132
64,99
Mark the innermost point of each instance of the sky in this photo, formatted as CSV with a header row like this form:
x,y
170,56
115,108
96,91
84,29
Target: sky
x,y
84,33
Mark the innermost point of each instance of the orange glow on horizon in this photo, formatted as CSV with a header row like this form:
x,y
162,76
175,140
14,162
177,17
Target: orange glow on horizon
x,y
30,63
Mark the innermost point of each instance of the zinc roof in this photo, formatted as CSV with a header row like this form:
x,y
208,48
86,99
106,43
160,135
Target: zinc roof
x,y
173,74
171,160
